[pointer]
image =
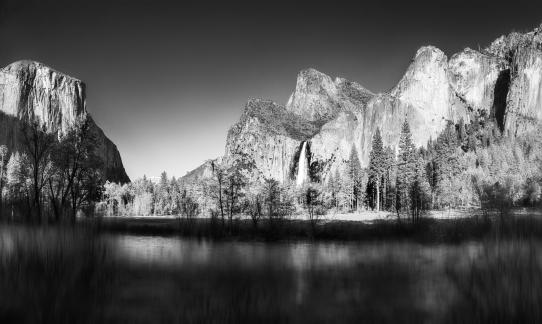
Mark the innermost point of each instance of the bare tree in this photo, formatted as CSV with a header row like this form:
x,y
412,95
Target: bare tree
x,y
314,205
254,202
38,143
218,188
75,178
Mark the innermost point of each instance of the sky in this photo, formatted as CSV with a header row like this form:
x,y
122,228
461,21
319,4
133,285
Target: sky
x,y
166,79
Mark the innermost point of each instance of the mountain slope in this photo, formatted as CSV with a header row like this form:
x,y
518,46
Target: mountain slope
x,y
32,91
502,83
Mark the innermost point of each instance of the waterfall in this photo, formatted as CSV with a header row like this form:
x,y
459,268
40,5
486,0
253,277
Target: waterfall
x,y
302,166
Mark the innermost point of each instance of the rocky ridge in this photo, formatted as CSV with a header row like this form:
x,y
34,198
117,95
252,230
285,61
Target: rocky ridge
x,y
502,82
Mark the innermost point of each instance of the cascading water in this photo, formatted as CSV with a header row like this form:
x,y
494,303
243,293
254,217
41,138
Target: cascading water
x,y
302,166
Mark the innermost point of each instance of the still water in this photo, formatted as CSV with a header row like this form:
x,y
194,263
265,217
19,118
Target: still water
x,y
164,277
174,251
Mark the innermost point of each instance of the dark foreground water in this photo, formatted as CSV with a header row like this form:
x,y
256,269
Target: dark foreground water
x,y
72,276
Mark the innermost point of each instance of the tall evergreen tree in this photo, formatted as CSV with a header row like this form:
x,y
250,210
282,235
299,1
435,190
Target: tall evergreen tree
x,y
405,167
387,183
333,188
420,190
346,187
446,163
356,174
377,161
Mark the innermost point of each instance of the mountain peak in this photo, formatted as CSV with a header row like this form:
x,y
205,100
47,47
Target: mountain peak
x,y
429,52
317,97
32,91
34,66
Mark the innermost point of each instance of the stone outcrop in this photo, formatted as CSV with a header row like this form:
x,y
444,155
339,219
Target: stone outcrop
x,y
502,82
31,91
319,98
523,53
271,135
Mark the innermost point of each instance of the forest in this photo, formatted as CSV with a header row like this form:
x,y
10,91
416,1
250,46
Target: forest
x,y
53,177
469,165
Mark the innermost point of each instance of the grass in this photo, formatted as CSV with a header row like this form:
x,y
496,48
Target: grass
x,y
427,230
53,277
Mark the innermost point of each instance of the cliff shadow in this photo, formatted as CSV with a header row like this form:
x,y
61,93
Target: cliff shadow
x,y
500,93
10,132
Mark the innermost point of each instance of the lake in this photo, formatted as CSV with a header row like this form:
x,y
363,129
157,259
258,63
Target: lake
x,y
169,279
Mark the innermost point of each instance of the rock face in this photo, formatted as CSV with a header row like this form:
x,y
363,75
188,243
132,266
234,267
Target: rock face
x,y
318,98
523,53
271,135
331,116
32,91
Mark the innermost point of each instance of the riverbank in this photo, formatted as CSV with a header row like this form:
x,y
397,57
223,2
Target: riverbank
x,y
427,230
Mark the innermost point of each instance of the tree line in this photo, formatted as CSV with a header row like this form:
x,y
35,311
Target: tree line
x,y
52,176
467,165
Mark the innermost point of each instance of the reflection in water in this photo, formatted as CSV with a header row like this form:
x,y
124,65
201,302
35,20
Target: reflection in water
x,y
300,258
161,273
172,251
175,251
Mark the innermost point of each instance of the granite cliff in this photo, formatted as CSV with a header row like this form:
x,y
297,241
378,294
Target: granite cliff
x,y
502,83
32,91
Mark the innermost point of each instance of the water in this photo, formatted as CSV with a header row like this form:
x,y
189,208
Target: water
x,y
161,278
302,166
178,252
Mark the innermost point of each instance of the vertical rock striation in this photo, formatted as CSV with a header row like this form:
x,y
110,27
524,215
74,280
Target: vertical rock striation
x,y
32,91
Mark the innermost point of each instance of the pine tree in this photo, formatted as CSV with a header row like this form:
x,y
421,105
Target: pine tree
x,y
333,189
446,164
356,174
377,164
337,188
389,164
405,167
162,195
420,190
346,188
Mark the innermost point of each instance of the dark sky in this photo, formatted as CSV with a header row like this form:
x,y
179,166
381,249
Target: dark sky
x,y
166,79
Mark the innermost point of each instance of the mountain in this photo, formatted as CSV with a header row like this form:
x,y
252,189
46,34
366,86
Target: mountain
x,y
32,91
501,83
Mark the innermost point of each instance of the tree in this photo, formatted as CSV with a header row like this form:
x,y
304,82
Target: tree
x,y
420,191
314,205
446,164
377,167
254,202
334,185
405,168
3,158
37,143
188,205
17,186
346,187
236,181
356,174
271,195
163,198
388,196
218,185
75,177
142,197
